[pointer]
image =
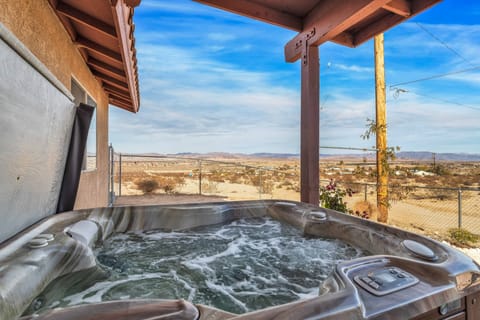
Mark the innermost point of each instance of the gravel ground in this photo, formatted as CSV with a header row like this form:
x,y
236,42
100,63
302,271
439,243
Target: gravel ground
x,y
154,199
473,253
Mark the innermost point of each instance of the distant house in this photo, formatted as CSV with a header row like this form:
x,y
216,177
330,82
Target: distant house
x,y
55,54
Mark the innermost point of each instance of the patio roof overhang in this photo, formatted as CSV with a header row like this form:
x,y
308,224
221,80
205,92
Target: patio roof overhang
x,y
103,31
346,22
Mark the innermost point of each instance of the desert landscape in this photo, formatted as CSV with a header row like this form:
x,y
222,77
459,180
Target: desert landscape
x,y
424,196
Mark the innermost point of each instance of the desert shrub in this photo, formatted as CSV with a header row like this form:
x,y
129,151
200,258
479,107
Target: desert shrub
x,y
285,183
235,177
266,187
462,237
147,185
209,186
364,209
169,184
441,170
398,192
331,197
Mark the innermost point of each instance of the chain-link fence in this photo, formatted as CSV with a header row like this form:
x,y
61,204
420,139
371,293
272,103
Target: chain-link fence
x,y
423,208
158,175
433,209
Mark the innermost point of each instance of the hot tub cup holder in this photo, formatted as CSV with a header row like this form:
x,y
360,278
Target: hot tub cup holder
x,y
318,216
41,240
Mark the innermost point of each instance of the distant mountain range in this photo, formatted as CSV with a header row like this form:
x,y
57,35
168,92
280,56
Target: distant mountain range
x,y
404,155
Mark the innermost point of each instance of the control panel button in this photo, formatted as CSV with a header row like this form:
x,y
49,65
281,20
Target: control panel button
x,y
374,285
384,281
367,280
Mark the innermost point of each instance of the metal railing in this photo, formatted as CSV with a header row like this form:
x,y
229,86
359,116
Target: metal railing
x,y
423,208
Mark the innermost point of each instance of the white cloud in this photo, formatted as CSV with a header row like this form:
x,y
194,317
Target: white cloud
x,y
353,68
224,86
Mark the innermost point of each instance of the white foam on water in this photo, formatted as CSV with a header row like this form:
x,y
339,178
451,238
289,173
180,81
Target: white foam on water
x,y
244,265
227,291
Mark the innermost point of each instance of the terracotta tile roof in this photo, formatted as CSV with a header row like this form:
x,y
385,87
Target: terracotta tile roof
x,y
103,30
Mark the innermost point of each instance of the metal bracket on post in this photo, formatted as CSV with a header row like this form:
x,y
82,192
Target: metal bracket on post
x,y
305,44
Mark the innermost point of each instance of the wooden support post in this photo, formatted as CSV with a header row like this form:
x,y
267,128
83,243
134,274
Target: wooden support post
x,y
381,132
309,127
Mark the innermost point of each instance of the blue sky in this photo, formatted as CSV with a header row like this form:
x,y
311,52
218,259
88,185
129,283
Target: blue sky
x,y
211,81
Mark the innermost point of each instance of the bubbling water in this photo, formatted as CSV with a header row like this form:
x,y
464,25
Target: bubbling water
x,y
239,267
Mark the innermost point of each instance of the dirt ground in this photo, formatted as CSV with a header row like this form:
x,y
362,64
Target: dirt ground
x,y
154,199
230,179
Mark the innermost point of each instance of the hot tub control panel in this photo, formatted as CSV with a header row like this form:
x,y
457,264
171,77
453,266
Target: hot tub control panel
x,y
386,280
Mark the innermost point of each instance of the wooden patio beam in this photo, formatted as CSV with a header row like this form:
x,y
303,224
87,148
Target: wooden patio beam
x,y
104,67
85,19
258,11
329,19
400,7
107,53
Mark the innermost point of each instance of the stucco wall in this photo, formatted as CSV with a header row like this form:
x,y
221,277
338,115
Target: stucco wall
x,y
35,24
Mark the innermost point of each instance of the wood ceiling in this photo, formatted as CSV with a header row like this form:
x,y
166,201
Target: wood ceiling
x,y
103,31
346,22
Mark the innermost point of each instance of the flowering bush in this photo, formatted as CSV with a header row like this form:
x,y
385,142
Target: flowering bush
x,y
331,197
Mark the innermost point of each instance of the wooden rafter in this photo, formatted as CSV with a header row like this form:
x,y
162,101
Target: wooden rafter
x,y
120,99
118,93
106,68
122,104
90,45
258,11
328,20
85,19
400,7
371,30
121,91
110,80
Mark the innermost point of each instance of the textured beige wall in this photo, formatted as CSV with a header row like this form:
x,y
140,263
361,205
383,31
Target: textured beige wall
x,y
35,24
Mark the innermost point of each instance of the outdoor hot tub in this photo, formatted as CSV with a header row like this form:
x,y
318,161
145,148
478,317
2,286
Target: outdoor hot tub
x,y
236,260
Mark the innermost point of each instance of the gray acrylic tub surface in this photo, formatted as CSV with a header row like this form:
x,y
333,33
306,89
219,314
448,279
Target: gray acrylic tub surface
x,y
445,275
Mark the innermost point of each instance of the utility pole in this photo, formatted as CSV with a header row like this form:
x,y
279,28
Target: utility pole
x,y
381,130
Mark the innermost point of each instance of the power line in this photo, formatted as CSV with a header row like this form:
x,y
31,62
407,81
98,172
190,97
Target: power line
x,y
443,43
348,148
400,90
435,76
